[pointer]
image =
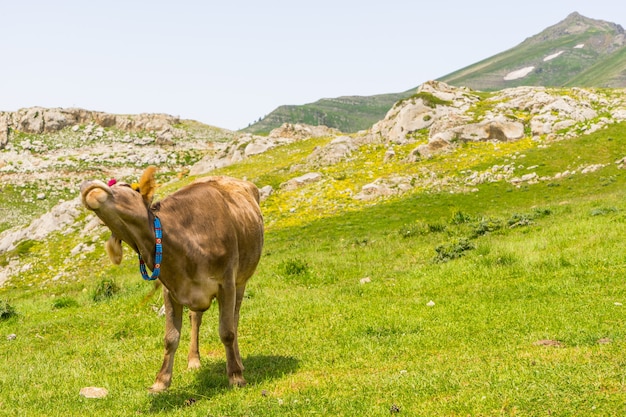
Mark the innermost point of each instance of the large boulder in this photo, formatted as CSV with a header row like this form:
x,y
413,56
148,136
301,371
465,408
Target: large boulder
x,y
418,112
337,150
299,131
4,130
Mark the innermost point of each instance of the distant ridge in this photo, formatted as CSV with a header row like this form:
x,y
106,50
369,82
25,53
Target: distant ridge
x,y
576,52
347,113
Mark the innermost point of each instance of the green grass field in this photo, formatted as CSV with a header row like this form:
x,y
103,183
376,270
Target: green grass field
x,y
502,302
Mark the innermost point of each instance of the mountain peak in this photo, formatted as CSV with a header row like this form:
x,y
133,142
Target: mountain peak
x,y
575,24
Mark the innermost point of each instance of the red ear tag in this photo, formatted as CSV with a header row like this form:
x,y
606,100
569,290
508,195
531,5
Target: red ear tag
x,y
112,182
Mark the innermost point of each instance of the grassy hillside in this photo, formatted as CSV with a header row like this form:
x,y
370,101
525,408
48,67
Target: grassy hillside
x,y
609,72
347,114
590,55
508,300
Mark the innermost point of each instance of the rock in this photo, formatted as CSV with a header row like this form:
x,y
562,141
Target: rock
x,y
413,114
299,131
389,155
60,217
265,192
300,181
4,130
258,146
337,150
12,336
372,191
551,114
94,392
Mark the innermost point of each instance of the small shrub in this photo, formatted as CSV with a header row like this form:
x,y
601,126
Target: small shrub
x,y
6,310
24,247
412,230
540,212
363,241
602,211
64,302
460,218
520,220
294,267
453,250
105,289
487,226
436,227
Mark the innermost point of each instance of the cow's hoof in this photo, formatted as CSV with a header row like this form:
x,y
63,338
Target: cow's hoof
x,y
193,363
157,388
237,380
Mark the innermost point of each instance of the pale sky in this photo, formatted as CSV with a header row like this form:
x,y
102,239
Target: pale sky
x,y
228,63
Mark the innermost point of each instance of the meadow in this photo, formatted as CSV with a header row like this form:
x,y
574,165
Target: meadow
x,y
505,301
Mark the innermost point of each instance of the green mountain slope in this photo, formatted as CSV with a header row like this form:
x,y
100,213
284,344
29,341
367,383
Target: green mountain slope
x,y
576,52
348,114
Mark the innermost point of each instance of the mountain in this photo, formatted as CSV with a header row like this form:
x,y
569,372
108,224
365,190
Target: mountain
x,y
576,52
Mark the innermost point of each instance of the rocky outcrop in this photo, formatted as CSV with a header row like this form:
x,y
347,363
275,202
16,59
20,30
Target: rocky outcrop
x,y
300,131
418,112
59,218
4,130
45,120
337,150
247,145
448,115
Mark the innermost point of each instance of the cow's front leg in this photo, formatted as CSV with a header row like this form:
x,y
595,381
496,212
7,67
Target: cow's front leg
x,y
193,359
229,302
173,324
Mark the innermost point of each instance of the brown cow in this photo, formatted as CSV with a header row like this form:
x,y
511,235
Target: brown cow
x,y
212,237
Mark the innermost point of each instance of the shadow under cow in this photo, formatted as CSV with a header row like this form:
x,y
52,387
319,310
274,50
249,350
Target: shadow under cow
x,y
210,380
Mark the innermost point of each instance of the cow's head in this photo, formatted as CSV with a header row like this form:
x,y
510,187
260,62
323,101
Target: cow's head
x,y
123,208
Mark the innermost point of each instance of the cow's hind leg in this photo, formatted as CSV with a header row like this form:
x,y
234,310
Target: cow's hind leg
x,y
173,324
193,359
229,299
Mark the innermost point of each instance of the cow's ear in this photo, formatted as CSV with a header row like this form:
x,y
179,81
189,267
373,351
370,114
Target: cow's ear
x,y
147,184
113,247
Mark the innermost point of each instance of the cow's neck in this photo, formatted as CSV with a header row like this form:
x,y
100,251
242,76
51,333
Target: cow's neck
x,y
145,243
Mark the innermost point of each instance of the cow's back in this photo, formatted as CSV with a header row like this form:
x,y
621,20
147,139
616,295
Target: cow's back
x,y
217,219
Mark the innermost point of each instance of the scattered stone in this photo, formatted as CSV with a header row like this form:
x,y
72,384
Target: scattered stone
x,y
300,181
12,336
431,303
94,392
365,280
265,192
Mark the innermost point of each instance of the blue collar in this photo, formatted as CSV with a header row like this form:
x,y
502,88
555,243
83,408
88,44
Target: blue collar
x,y
158,254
